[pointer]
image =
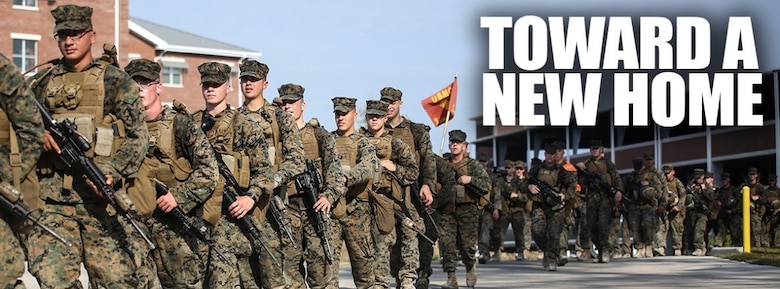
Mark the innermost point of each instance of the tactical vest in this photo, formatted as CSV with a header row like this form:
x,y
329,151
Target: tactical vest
x,y
347,146
461,196
406,136
8,135
221,138
161,163
270,125
311,150
600,168
80,97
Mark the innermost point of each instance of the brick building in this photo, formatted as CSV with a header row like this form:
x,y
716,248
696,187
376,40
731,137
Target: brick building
x,y
29,27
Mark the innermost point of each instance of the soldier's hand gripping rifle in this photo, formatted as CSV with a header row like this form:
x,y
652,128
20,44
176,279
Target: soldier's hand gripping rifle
x,y
73,146
198,229
699,203
308,184
11,202
229,196
426,210
598,181
548,192
476,192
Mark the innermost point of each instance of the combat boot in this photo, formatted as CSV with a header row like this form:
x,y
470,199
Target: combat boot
x,y
698,252
422,279
659,252
552,265
604,257
452,281
520,257
471,276
640,251
649,251
677,252
545,264
584,256
496,256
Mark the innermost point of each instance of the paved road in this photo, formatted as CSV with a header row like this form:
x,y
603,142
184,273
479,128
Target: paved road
x,y
658,272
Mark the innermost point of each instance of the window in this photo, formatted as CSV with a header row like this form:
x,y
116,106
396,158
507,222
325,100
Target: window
x,y
26,3
25,51
172,76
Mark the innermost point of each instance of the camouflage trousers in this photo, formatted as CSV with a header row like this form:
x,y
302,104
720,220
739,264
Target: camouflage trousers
x,y
485,227
516,217
459,235
178,257
405,252
309,250
527,229
236,247
260,270
672,225
11,256
546,229
426,248
602,223
644,225
733,227
771,232
99,241
145,266
354,231
626,231
699,230
756,229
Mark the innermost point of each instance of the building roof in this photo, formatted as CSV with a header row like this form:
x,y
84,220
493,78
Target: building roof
x,y
174,40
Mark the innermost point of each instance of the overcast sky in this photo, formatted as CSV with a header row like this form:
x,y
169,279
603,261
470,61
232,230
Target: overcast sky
x,y
356,47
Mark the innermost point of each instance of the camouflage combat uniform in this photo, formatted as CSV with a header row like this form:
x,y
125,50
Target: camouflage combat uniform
x,y
458,227
318,145
514,211
510,210
104,98
673,223
417,137
548,220
771,204
405,264
699,221
731,213
601,218
235,136
285,153
641,209
758,192
17,110
352,212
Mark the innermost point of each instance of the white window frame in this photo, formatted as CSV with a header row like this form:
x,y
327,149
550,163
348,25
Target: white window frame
x,y
168,71
34,6
26,37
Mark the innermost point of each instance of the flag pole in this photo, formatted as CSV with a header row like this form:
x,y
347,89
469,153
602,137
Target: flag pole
x,y
443,134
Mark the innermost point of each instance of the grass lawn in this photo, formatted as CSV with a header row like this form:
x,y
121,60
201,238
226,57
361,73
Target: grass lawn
x,y
760,256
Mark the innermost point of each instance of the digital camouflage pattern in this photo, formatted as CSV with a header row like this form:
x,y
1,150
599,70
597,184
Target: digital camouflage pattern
x,y
230,240
707,194
353,230
403,241
253,68
309,246
143,68
214,72
81,216
458,228
601,218
390,94
642,209
675,218
512,212
290,91
444,193
178,258
72,17
17,106
343,104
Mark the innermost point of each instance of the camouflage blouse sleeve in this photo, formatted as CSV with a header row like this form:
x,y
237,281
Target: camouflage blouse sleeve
x,y
331,165
122,101
406,167
249,141
445,176
479,177
367,164
193,145
617,181
17,103
293,163
422,141
683,193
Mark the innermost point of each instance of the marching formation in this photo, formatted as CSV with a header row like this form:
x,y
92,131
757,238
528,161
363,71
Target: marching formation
x,y
96,171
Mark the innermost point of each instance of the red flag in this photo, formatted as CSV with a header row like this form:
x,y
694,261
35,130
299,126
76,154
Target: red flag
x,y
440,103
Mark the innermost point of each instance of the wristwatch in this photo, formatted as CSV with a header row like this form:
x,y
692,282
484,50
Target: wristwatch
x,y
278,180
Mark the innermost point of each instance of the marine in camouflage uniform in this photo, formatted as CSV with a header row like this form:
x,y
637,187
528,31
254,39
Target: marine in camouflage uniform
x,y
239,142
659,183
287,156
181,157
399,171
643,200
319,145
352,213
601,210
574,205
515,203
731,214
417,136
502,188
104,103
770,218
676,195
458,227
487,222
706,195
17,110
757,193
547,216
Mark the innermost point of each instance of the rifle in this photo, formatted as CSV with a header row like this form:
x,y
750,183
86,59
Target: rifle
x,y
246,224
308,184
410,224
476,192
278,212
428,211
73,146
597,180
401,216
549,192
699,202
10,201
198,229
